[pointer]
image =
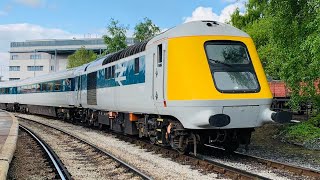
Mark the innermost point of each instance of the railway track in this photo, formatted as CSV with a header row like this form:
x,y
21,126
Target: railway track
x,y
61,171
34,159
268,164
206,165
83,159
300,171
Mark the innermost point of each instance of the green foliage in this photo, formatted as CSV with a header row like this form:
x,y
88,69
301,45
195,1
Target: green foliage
x,y
80,57
315,121
116,40
286,34
303,132
145,30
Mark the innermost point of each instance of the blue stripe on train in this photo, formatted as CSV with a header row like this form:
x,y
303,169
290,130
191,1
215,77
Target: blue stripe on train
x,y
125,76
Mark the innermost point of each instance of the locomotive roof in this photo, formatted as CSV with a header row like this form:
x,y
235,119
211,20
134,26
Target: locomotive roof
x,y
187,29
194,28
200,28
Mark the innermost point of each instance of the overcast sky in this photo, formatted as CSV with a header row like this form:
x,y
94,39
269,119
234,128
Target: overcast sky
x,y
22,20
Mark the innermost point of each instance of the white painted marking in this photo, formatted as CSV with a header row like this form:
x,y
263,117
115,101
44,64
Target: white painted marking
x,y
120,76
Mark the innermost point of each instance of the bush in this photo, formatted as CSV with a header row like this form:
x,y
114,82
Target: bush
x,y
303,132
315,121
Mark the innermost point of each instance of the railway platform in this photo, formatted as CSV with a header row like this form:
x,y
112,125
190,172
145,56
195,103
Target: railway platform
x,y
8,138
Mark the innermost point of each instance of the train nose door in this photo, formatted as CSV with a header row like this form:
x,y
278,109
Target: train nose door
x,y
158,76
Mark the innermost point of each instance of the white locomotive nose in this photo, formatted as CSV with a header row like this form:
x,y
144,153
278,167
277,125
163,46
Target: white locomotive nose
x,y
279,117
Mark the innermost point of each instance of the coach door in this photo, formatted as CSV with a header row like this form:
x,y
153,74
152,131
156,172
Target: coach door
x,y
92,88
77,89
158,74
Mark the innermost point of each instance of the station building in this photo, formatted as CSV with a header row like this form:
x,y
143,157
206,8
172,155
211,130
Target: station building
x,y
37,57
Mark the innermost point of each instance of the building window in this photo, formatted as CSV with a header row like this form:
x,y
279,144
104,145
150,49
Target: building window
x,y
52,56
14,57
51,68
14,79
35,68
14,68
35,56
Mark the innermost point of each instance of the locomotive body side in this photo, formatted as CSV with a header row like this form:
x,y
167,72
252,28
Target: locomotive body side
x,y
120,86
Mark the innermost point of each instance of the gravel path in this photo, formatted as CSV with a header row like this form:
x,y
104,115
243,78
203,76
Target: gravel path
x,y
29,160
152,164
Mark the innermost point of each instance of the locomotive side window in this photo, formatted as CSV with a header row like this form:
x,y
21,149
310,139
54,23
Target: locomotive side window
x,y
159,55
136,65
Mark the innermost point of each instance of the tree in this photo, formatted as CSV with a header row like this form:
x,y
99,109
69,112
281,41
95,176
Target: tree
x,y
286,34
116,40
80,57
145,30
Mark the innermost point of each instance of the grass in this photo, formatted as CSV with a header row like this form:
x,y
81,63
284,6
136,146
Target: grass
x,y
303,132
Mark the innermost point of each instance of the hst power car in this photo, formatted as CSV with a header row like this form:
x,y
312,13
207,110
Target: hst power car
x,y
198,83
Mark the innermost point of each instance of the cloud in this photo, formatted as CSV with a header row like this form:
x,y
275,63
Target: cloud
x,y
202,13
31,3
206,13
25,31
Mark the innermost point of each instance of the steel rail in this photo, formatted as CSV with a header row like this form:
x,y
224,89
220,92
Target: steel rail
x,y
197,161
297,170
282,166
131,168
59,167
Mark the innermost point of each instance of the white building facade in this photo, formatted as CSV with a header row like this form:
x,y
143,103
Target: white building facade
x,y
38,57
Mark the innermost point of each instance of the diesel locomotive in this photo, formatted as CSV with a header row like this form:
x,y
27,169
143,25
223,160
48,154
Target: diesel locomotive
x,y
197,83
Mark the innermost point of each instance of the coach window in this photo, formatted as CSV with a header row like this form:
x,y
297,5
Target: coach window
x,y
159,55
28,89
33,88
112,72
50,86
44,87
136,65
57,85
106,73
109,72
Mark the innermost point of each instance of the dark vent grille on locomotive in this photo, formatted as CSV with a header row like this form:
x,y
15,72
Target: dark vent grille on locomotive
x,y
129,51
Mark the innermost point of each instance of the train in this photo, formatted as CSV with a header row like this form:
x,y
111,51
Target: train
x,y
199,83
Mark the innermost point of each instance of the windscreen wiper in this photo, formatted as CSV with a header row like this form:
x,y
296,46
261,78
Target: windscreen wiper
x,y
220,62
